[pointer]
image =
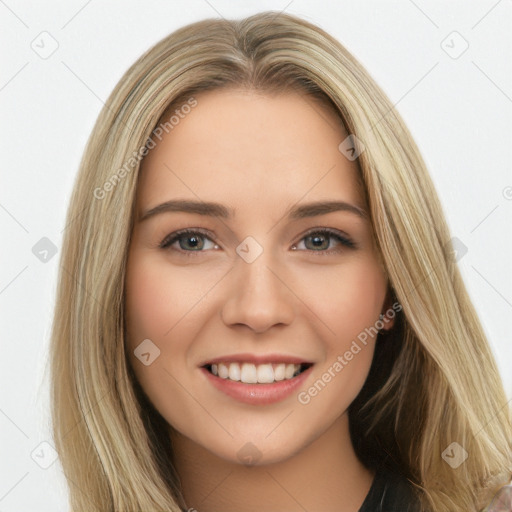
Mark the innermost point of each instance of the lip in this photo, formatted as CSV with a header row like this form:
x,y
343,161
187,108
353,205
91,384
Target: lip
x,y
257,394
256,359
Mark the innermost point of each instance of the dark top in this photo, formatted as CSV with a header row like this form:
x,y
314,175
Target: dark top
x,y
390,493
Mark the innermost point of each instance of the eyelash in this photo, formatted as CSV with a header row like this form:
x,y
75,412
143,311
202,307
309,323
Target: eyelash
x,y
173,237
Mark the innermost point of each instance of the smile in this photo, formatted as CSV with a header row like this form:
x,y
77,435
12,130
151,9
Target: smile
x,y
249,373
257,384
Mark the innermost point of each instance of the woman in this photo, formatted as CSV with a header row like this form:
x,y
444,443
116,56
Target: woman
x,y
209,352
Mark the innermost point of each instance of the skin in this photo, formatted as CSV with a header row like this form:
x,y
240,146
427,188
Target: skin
x,y
261,155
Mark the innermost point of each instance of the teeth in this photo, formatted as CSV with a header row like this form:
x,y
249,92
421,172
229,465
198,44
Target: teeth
x,y
289,371
249,374
223,371
234,371
252,374
279,372
265,373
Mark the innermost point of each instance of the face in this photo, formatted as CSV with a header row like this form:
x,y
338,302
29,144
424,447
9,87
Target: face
x,y
263,286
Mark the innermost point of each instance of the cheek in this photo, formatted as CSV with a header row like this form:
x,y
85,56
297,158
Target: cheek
x,y
349,306
147,302
158,298
158,303
155,303
350,300
168,305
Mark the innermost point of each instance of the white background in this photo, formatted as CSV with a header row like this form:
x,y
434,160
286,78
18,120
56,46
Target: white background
x,y
458,110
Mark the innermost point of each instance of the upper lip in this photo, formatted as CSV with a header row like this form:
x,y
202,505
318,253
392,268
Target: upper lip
x,y
256,359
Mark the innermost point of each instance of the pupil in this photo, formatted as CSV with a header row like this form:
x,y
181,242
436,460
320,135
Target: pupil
x,y
194,241
318,240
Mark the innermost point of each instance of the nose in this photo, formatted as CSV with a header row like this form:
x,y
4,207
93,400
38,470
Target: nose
x,y
258,296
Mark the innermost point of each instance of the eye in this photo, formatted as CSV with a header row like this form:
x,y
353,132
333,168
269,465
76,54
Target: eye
x,y
189,241
321,241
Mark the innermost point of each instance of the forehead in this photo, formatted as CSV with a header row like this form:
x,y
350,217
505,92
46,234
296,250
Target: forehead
x,y
236,145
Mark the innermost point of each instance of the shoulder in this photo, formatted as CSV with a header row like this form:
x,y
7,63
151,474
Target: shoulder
x,y
390,492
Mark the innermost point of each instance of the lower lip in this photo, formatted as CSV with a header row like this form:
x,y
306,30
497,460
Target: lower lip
x,y
258,394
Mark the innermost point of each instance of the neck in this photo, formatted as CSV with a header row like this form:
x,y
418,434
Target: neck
x,y
324,475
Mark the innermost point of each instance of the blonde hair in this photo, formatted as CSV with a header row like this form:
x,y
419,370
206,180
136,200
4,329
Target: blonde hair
x,y
434,383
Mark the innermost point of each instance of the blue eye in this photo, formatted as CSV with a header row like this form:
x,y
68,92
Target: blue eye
x,y
196,241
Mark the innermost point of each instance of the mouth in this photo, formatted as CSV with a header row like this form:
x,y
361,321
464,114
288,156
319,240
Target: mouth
x,y
250,373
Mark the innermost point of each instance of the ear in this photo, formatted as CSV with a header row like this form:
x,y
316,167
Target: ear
x,y
388,313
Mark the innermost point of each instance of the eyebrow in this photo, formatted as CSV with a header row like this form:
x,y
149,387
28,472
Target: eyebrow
x,y
218,210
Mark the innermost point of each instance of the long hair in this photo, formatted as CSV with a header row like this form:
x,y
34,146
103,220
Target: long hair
x,y
433,381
